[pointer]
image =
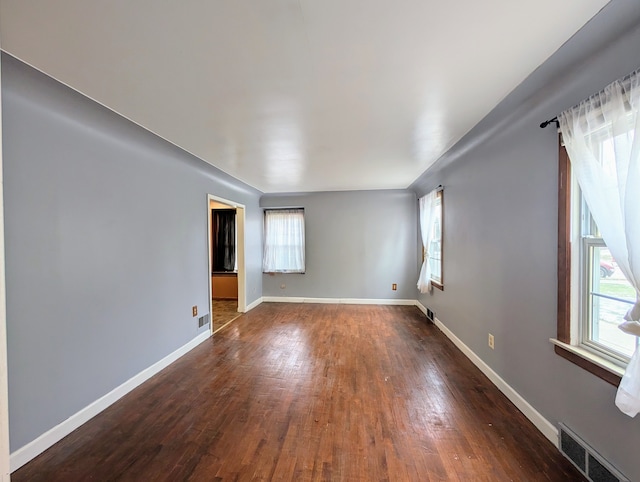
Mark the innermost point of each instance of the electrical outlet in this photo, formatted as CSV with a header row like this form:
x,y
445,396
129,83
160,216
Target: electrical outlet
x,y
491,342
394,287
194,311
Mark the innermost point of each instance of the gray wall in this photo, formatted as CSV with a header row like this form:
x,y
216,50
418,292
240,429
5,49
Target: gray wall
x,y
501,232
106,248
358,243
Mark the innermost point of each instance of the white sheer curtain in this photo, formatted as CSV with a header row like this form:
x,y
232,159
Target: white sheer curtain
x,y
283,241
427,218
601,137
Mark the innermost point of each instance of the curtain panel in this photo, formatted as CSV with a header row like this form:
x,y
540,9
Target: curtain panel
x,y
427,218
284,241
601,138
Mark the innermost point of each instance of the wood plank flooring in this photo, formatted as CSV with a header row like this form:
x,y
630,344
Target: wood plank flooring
x,y
311,392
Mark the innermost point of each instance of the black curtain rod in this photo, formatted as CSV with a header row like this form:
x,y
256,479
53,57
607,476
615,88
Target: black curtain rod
x,y
547,122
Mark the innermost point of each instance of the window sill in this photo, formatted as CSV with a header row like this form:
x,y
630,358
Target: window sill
x,y
599,366
437,285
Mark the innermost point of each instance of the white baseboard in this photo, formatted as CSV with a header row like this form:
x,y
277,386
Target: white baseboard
x,y
251,306
339,301
541,423
43,442
421,307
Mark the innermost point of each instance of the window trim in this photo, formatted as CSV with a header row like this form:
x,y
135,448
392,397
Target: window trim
x,y
580,357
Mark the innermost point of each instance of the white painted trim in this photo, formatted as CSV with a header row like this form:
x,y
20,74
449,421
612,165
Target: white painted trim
x,y
209,264
590,356
4,392
252,305
242,273
43,442
338,301
541,423
421,307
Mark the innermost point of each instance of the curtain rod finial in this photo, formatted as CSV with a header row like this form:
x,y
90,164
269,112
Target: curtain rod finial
x,y
547,122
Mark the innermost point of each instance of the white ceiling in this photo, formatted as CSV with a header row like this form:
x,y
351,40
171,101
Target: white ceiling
x,y
297,95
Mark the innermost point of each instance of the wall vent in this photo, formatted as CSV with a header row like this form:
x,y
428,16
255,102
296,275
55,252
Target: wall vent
x,y
430,315
592,465
203,320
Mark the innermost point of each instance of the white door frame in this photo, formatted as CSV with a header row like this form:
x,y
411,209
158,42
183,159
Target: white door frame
x,y
4,394
240,246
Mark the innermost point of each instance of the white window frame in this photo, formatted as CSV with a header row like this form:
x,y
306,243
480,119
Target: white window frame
x,y
583,243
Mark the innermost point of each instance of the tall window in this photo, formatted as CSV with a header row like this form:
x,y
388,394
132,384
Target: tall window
x,y
283,241
598,235
604,293
593,293
431,231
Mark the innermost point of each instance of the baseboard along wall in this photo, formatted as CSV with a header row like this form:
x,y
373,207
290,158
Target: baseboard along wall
x,y
34,448
338,301
43,442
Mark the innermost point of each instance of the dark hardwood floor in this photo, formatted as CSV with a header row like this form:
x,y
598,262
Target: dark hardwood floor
x,y
311,392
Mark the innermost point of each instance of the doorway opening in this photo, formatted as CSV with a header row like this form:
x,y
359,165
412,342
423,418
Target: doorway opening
x,y
227,290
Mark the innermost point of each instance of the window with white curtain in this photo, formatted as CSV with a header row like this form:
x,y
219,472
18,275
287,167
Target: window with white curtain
x,y
284,241
435,248
599,231
431,231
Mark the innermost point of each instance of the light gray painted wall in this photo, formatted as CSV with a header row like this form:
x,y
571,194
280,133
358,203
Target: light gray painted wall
x,y
358,243
501,232
106,248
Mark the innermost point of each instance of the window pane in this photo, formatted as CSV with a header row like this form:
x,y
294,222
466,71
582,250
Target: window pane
x,y
610,297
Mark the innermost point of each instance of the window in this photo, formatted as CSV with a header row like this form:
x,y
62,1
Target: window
x,y
431,231
605,294
593,294
435,248
598,233
283,241
600,135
